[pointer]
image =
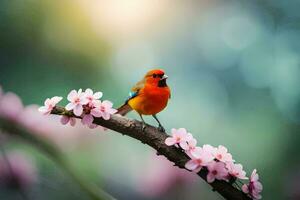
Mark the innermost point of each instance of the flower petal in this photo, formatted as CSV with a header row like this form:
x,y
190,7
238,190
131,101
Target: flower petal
x,y
210,178
184,145
88,92
44,110
107,104
78,110
170,141
96,113
72,121
245,189
56,100
191,165
93,126
47,102
113,111
70,106
72,95
84,100
64,119
98,95
105,115
87,119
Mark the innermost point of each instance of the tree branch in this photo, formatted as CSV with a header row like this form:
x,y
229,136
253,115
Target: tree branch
x,y
156,139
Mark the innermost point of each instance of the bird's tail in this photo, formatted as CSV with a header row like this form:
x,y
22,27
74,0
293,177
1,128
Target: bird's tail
x,y
124,109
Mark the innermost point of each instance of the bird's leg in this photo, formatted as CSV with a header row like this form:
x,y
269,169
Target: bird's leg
x,y
160,127
143,123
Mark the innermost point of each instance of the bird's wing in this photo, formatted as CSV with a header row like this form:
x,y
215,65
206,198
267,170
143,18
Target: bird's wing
x,y
135,90
139,85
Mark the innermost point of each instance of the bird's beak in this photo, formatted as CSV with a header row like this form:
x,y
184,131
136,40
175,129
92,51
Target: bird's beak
x,y
164,77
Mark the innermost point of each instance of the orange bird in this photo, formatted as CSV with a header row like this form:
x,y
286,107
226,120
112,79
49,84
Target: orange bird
x,y
148,97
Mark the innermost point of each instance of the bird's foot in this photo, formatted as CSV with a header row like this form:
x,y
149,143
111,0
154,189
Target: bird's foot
x,y
161,128
143,127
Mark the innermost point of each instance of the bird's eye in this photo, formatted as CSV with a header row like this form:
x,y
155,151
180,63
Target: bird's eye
x,y
154,75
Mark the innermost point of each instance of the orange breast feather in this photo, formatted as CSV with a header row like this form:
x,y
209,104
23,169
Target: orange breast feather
x,y
150,100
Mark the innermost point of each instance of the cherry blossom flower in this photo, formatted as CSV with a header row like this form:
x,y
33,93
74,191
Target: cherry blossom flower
x,y
49,105
254,187
216,170
236,170
178,137
189,146
87,119
201,157
92,98
221,154
77,100
66,119
103,109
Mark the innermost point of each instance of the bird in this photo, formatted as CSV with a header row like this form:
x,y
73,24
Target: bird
x,y
149,96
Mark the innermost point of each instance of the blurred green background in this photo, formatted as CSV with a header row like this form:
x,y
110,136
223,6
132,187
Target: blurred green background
x,y
233,67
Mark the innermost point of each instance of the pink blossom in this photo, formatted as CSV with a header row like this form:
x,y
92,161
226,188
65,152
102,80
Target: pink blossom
x,y
92,98
221,154
208,149
178,137
93,126
49,105
216,170
201,157
157,177
254,187
77,100
236,170
189,146
87,119
19,172
103,109
11,106
66,119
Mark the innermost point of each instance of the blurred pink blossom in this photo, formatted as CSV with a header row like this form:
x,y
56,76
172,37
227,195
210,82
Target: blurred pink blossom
x,y
254,187
159,177
17,171
49,105
77,100
103,109
216,170
87,119
66,119
10,106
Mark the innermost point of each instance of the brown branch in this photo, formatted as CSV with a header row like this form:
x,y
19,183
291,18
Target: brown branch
x,y
156,139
